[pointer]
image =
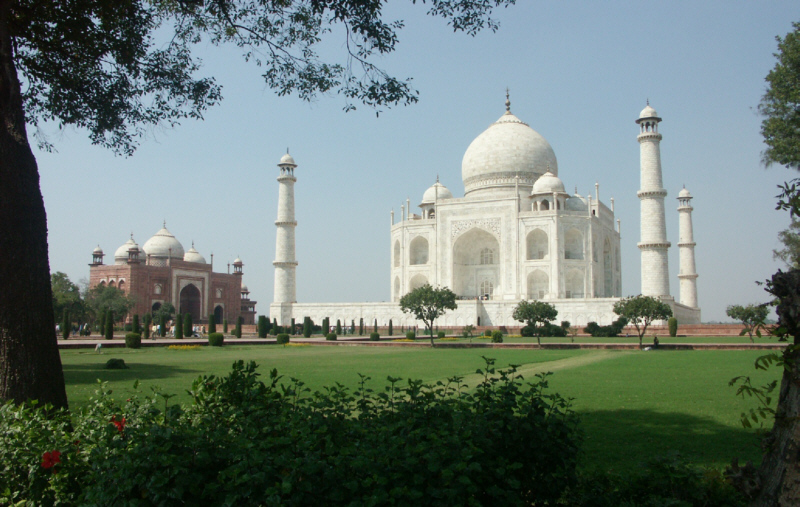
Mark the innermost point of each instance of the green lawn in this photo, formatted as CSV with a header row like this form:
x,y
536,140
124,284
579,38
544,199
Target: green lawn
x,y
633,404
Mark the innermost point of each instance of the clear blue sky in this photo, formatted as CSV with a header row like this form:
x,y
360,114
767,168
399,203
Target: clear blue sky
x,y
579,73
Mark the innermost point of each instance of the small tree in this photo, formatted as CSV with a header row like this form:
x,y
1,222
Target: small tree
x,y
352,326
109,325
263,324
391,330
427,304
672,324
146,321
136,327
239,322
188,325
535,314
178,326
375,326
65,324
326,326
338,327
361,327
212,324
752,317
306,327
641,311
294,327
225,326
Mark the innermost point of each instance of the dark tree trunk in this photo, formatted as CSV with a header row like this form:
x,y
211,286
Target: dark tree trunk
x,y
779,475
30,365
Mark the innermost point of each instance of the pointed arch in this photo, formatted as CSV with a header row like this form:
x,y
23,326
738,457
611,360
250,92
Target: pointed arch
x,y
397,253
538,284
608,287
537,245
573,244
418,251
417,281
190,301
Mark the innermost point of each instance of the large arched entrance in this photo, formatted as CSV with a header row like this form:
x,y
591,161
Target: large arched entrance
x,y
218,314
190,302
476,264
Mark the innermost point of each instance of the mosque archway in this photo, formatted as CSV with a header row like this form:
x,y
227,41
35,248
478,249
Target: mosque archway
x,y
608,287
573,244
537,245
121,286
112,283
190,302
475,262
219,314
538,284
156,306
416,282
418,251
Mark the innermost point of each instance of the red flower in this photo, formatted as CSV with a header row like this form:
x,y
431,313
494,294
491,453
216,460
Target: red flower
x,y
51,459
119,424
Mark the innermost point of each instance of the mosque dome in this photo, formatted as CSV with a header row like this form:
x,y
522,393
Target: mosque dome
x,y
684,194
98,251
287,159
437,190
648,112
576,203
194,256
508,148
547,184
160,245
244,288
237,261
121,255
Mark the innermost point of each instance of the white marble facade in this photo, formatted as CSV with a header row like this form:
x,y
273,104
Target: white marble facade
x,y
516,234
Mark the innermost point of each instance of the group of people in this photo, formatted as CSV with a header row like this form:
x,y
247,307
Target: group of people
x,y
155,331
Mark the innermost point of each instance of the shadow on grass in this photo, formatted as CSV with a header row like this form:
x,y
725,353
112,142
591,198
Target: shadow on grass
x,y
621,440
75,374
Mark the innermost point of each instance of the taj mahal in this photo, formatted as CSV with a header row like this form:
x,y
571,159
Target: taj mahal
x,y
515,234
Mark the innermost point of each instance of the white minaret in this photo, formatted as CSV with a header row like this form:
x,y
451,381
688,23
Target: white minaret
x,y
653,244
688,273
285,263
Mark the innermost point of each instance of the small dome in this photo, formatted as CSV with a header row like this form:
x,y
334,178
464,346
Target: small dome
x,y
684,194
577,203
238,261
121,255
98,251
160,246
244,288
648,112
194,256
437,190
287,160
547,184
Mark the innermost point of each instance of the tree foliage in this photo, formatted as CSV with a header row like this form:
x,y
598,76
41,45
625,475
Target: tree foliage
x,y
427,304
102,298
535,314
753,318
790,237
780,105
66,296
641,311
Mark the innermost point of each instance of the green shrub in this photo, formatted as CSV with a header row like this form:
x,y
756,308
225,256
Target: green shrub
x,y
391,329
263,326
109,331
65,324
293,329
188,325
212,324
497,336
360,327
129,453
411,335
307,326
338,326
216,339
375,326
178,326
136,328
331,337
326,326
440,334
146,325
283,338
116,364
487,332
374,336
225,326
133,340
163,323
237,332
672,323
611,331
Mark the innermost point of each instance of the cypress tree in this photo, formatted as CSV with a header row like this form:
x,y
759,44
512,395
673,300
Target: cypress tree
x,y
391,331
238,331
188,325
146,327
361,327
65,324
352,326
109,325
212,324
102,324
375,327
225,326
136,327
163,323
262,326
294,327
338,327
306,327
179,326
326,326
274,323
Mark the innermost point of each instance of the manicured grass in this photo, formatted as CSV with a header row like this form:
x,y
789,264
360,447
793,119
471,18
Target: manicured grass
x,y
633,404
647,340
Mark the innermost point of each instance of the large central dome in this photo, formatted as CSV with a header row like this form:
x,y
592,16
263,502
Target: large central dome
x,y
508,148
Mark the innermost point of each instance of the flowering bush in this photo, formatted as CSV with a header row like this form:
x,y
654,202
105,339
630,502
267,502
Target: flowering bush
x,y
183,347
243,441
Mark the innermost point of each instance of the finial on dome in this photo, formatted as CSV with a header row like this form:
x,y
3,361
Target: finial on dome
x,y
287,150
132,231
192,243
437,178
576,189
508,103
648,101
165,224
